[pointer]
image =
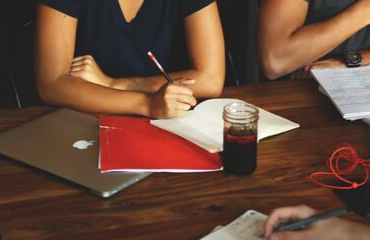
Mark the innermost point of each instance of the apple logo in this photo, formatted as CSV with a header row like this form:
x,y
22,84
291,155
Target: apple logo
x,y
82,144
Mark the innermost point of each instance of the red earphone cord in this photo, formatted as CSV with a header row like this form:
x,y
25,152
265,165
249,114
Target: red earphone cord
x,y
347,153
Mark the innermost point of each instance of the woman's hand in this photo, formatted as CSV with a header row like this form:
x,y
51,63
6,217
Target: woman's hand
x,y
331,229
172,100
87,69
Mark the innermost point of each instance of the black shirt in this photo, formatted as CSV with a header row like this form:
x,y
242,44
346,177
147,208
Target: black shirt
x,y
320,10
120,48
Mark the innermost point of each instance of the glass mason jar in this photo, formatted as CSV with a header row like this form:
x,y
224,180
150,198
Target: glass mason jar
x,y
239,156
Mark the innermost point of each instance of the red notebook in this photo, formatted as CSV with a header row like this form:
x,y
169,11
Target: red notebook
x,y
132,144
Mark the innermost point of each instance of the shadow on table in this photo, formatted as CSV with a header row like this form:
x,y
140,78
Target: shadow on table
x,y
356,200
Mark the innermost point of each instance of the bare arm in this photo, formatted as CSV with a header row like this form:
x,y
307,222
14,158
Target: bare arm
x,y
206,51
286,44
205,42
54,51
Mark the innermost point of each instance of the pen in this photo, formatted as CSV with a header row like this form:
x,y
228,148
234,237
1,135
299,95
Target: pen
x,y
307,221
159,67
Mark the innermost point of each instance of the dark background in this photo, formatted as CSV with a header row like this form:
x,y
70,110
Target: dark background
x,y
13,15
16,41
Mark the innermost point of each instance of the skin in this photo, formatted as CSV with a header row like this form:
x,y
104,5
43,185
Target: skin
x,y
286,44
80,84
331,229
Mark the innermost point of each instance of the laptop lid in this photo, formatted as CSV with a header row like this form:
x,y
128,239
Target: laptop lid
x,y
65,143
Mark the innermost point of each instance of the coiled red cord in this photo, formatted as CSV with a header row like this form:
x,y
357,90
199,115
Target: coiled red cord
x,y
344,152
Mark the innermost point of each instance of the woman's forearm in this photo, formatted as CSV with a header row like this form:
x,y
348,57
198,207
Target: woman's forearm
x,y
78,94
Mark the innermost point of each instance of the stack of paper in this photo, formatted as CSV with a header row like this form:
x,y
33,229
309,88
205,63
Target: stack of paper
x,y
348,88
248,226
204,125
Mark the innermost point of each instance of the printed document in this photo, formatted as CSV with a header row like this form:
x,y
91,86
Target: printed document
x,y
348,88
204,125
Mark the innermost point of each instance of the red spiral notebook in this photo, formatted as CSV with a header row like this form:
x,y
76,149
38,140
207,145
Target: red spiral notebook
x,y
132,144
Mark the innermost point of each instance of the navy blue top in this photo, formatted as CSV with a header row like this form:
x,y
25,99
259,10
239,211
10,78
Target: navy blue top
x,y
120,48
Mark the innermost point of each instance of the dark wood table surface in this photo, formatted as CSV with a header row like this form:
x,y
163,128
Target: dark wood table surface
x,y
169,206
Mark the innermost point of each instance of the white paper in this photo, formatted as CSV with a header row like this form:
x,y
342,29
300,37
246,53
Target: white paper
x,y
366,120
204,125
348,88
249,226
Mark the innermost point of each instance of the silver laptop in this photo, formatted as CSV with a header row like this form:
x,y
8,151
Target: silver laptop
x,y
65,143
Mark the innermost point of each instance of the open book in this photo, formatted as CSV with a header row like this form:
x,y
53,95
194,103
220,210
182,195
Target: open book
x,y
348,89
248,226
204,125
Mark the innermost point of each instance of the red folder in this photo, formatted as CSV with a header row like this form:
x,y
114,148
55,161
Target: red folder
x,y
133,144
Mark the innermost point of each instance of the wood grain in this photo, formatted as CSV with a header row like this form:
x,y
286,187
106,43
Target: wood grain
x,y
37,206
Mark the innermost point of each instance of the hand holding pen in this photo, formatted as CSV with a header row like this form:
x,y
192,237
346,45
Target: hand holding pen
x,y
283,223
171,100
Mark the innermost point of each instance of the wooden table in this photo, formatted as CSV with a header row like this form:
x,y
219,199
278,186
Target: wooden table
x,y
164,206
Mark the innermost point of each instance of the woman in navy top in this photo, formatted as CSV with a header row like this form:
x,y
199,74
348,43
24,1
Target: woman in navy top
x,y
92,55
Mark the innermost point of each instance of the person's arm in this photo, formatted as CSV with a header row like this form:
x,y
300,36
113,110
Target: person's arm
x,y
205,43
54,55
206,52
286,44
330,229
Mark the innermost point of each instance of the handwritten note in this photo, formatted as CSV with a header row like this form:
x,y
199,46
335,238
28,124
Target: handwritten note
x,y
348,88
248,226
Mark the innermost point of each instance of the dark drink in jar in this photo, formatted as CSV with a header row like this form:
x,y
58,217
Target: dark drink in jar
x,y
239,156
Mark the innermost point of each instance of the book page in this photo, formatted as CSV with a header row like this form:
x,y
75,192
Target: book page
x,y
248,226
204,125
348,88
365,120
204,130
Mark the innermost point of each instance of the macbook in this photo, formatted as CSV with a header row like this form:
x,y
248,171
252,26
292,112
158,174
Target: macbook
x,y
65,143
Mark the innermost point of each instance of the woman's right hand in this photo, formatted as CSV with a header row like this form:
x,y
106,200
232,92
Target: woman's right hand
x,y
172,100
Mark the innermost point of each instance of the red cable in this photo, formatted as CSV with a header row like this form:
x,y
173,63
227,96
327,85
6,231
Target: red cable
x,y
344,152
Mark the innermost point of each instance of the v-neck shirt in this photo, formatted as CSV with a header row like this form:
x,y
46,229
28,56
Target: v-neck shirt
x,y
120,47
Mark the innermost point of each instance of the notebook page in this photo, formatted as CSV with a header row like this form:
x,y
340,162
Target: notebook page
x,y
248,226
366,120
348,88
204,125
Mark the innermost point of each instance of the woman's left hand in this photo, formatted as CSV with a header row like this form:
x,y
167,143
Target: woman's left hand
x,y
87,69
